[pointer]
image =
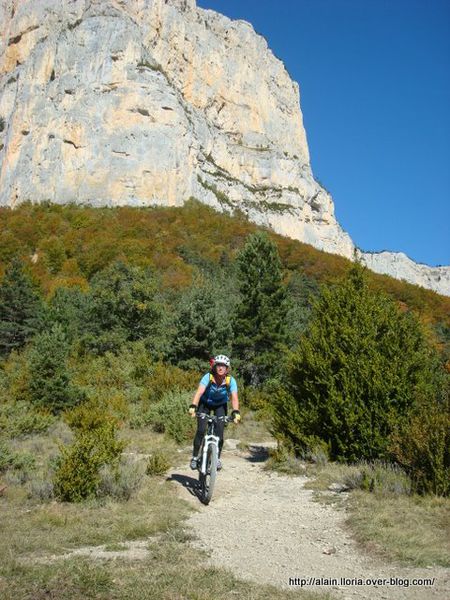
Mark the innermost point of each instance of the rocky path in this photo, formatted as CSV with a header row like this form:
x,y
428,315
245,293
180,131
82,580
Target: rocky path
x,y
267,528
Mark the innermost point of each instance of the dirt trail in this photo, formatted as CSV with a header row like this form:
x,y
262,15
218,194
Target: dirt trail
x,y
267,528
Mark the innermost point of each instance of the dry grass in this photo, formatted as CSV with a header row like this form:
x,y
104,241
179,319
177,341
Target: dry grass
x,y
33,529
250,429
172,571
322,476
411,529
34,532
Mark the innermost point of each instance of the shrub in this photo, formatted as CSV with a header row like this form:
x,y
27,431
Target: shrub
x,y
140,416
170,416
381,478
40,488
121,481
157,464
90,416
317,454
283,461
20,419
422,445
159,380
15,377
111,378
15,460
163,378
77,475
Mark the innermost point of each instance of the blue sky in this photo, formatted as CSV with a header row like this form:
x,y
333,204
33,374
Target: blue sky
x,y
374,80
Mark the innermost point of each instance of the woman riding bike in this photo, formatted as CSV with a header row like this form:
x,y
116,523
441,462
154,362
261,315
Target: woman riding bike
x,y
213,393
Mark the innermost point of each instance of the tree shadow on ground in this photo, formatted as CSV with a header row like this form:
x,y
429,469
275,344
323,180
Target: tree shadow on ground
x,y
257,454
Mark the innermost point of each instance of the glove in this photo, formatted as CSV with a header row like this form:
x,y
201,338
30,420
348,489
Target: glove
x,y
193,410
236,416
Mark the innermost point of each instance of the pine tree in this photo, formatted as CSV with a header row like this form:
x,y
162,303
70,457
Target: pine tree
x,y
70,307
123,304
259,323
356,374
300,292
202,328
21,308
50,385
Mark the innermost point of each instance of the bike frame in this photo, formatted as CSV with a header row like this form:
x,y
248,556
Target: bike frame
x,y
207,477
210,438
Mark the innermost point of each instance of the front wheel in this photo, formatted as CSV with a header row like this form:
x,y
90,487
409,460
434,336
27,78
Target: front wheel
x,y
209,479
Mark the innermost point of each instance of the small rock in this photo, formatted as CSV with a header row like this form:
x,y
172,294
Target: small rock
x,y
338,487
329,551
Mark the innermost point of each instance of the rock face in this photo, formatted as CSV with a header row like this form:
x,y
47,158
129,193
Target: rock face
x,y
400,266
143,102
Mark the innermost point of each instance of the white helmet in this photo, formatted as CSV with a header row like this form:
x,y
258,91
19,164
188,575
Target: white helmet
x,y
221,359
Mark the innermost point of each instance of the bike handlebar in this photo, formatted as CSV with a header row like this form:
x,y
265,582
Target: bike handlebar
x,y
215,418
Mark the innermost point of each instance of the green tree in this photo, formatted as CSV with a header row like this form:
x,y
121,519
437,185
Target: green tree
x,y
421,445
356,374
300,293
260,316
21,308
202,327
70,308
50,385
54,253
124,306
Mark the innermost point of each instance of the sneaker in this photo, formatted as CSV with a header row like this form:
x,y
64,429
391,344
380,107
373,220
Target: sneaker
x,y
194,461
219,464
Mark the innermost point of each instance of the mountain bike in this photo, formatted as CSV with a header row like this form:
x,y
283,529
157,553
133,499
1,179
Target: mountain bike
x,y
209,454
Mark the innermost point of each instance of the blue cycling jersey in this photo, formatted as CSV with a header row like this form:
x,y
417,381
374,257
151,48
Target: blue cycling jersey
x,y
214,394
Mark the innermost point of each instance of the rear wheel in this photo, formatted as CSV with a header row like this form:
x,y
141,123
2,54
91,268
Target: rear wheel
x,y
209,479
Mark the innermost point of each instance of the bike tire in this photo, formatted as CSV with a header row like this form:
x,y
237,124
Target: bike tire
x,y
211,472
201,477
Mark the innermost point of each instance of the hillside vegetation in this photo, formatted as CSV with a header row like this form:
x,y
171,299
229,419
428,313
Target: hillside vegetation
x,y
66,245
107,319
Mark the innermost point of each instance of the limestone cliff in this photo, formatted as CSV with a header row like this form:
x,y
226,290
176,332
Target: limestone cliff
x,y
142,102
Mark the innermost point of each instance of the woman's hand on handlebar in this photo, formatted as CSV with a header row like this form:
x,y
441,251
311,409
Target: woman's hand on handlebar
x,y
236,416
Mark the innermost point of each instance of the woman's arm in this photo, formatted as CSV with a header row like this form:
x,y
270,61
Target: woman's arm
x,y
234,401
196,399
198,394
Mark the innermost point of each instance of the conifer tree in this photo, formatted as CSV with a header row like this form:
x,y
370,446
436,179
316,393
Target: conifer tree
x,y
50,385
259,321
301,290
70,307
202,328
123,304
20,308
356,375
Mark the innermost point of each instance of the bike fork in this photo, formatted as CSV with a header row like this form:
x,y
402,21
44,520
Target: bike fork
x,y
209,439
